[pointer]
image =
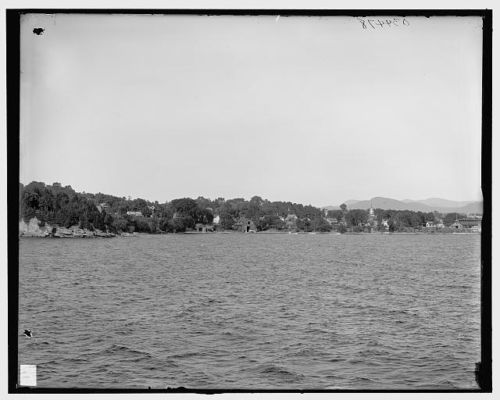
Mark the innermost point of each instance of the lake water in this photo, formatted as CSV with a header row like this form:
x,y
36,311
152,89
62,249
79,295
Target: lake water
x,y
252,311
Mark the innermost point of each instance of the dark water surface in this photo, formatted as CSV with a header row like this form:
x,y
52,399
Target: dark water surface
x,y
252,311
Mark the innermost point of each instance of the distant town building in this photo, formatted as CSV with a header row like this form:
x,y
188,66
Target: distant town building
x,y
151,212
245,225
332,221
456,225
437,224
203,228
372,220
291,221
102,207
473,222
134,213
475,215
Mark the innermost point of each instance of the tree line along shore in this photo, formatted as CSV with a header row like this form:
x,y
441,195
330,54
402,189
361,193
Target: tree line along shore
x,y
60,211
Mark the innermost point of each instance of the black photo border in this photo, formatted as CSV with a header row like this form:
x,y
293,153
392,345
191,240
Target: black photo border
x,y
13,16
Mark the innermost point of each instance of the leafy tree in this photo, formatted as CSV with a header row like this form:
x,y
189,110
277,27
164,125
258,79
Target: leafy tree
x,y
337,214
226,220
321,225
356,217
184,206
269,222
451,217
181,224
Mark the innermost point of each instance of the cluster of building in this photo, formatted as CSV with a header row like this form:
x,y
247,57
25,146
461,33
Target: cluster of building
x,y
471,223
246,225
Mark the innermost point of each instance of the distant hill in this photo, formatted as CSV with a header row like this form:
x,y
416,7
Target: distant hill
x,y
388,204
437,202
331,208
471,208
427,205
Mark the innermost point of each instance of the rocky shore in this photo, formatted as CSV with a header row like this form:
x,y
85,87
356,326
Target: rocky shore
x,y
35,228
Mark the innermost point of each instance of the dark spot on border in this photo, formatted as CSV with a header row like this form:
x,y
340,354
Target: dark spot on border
x,y
38,31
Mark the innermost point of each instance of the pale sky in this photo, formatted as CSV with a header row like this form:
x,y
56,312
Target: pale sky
x,y
315,110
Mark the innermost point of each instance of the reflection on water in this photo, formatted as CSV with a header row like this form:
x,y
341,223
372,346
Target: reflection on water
x,y
252,311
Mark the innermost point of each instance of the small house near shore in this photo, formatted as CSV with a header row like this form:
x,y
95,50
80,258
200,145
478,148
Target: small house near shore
x,y
456,225
204,228
245,225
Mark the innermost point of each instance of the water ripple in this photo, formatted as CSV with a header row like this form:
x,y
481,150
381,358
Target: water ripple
x,y
252,311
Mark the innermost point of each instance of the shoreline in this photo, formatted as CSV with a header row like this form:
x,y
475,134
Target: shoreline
x,y
139,234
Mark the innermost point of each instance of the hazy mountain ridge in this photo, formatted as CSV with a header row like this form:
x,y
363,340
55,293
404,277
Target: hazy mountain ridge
x,y
438,202
427,205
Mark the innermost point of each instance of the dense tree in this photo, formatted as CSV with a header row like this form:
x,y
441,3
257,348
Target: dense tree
x,y
61,205
267,222
226,220
304,224
356,217
188,213
185,206
183,223
320,225
337,214
452,217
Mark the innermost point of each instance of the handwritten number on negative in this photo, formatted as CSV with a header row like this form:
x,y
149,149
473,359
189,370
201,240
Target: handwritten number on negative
x,y
374,24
